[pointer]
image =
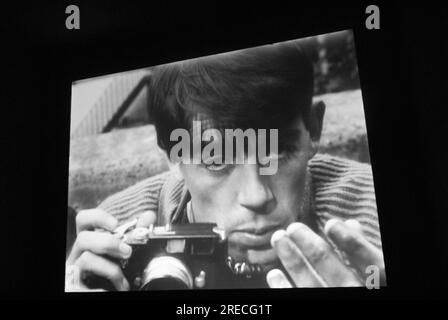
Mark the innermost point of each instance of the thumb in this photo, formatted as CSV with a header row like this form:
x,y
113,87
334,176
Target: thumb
x,y
146,219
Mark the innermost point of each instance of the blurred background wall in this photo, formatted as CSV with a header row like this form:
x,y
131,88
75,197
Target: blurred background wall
x,y
113,143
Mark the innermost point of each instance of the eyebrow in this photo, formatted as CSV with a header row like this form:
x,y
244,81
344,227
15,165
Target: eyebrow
x,y
289,134
288,140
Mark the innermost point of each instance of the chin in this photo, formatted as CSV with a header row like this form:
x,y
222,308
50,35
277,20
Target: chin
x,y
238,254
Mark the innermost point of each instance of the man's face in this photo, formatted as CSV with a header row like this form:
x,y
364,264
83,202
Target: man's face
x,y
250,206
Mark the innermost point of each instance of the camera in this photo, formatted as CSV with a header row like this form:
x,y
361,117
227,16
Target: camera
x,y
175,256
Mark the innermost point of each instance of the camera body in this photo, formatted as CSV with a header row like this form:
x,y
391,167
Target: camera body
x,y
175,256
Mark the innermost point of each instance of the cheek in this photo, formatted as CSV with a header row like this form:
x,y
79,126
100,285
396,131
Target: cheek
x,y
290,186
201,188
211,200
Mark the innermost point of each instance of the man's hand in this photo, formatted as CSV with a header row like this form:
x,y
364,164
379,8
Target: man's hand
x,y
94,247
311,262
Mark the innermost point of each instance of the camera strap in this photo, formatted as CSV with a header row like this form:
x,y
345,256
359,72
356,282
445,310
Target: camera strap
x,y
171,202
180,215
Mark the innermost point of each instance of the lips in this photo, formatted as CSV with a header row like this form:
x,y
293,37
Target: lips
x,y
253,237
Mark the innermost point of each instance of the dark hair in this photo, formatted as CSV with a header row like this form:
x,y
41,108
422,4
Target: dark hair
x,y
262,87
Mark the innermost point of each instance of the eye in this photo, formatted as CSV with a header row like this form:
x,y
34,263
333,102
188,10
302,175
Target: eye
x,y
215,164
283,157
286,156
217,167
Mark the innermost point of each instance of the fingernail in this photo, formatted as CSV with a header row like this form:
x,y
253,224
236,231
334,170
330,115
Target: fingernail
x,y
272,278
125,285
330,224
293,227
125,250
277,235
146,218
112,223
354,224
276,279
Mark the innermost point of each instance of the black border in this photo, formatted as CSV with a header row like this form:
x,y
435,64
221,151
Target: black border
x,y
402,84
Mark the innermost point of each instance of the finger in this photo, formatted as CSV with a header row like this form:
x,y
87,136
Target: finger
x,y
146,219
95,218
277,279
298,268
73,281
83,289
321,256
360,252
100,266
101,243
354,224
73,284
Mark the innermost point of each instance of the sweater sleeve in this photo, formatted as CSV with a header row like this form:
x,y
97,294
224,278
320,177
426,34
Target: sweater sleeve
x,y
131,202
344,189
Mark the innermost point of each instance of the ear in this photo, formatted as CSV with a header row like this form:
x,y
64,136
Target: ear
x,y
316,122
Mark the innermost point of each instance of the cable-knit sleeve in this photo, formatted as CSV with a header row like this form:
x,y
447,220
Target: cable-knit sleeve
x,y
344,189
133,201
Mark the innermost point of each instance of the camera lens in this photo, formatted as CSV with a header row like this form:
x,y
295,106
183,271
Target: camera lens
x,y
166,273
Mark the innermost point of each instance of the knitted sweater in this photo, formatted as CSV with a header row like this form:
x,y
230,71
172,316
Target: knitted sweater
x,y
340,188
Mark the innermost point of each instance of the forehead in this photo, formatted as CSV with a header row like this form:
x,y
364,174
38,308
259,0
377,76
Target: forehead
x,y
286,129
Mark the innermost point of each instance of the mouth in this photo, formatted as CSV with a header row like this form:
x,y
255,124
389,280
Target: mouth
x,y
254,237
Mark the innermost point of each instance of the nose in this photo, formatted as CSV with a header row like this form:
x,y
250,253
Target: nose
x,y
254,192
